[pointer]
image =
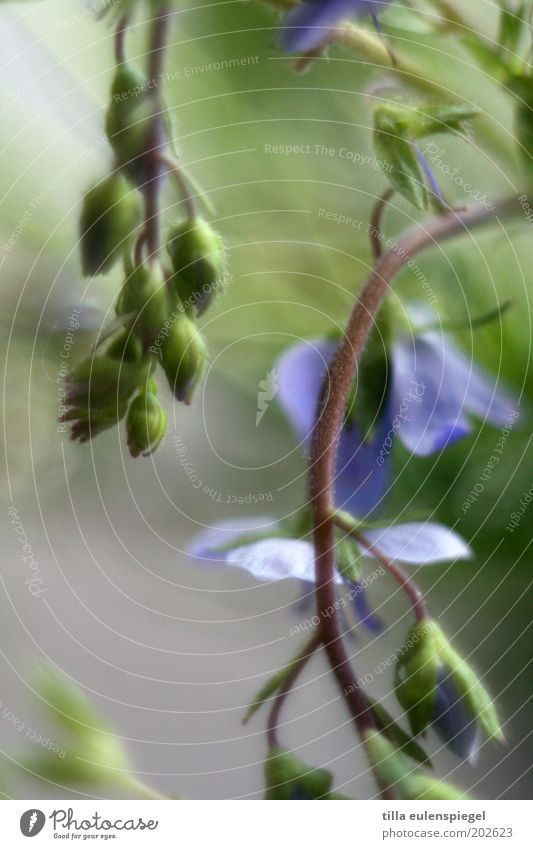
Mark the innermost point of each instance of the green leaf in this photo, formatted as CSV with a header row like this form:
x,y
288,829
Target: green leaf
x,y
403,169
289,778
395,771
397,128
275,683
511,27
400,739
486,58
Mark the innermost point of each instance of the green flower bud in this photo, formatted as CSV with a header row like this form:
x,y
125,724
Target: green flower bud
x,y
146,424
289,779
103,382
110,215
182,356
197,254
394,771
145,295
131,120
348,559
435,685
416,675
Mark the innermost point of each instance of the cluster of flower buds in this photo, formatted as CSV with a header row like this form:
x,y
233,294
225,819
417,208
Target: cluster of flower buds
x,y
437,688
160,301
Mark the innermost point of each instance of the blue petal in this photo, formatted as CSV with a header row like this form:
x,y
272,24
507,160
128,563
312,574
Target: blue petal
x,y
452,720
301,371
479,392
427,402
418,543
363,470
432,180
361,481
307,26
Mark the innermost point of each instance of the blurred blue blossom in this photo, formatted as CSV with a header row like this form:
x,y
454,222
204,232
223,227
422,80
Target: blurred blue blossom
x,y
307,26
453,720
432,391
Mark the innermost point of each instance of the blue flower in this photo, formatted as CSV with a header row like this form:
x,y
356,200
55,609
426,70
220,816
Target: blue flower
x,y
453,720
433,390
307,26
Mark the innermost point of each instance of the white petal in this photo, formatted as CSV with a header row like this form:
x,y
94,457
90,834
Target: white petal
x,y
419,542
275,559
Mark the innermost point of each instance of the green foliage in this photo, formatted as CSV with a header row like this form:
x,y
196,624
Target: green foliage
x,y
398,128
289,779
395,772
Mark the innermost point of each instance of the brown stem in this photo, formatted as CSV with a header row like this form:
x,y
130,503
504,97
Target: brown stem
x,y
273,718
156,138
330,416
120,39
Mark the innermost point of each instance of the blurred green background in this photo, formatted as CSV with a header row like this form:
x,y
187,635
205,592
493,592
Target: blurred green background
x,y
170,653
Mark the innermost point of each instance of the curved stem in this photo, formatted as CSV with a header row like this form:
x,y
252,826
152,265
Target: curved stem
x,y
335,393
156,138
299,663
413,593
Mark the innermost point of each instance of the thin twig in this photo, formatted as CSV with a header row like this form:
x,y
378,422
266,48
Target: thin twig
x,y
273,718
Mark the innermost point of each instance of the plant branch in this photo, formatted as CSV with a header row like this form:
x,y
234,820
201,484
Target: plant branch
x,y
330,414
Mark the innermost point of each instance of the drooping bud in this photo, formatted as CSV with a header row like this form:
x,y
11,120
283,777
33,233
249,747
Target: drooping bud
x,y
437,687
110,215
183,355
197,254
394,772
132,118
145,296
146,423
290,779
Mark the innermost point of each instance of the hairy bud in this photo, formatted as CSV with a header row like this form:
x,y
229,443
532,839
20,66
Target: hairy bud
x,y
197,254
110,215
183,355
146,424
144,295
